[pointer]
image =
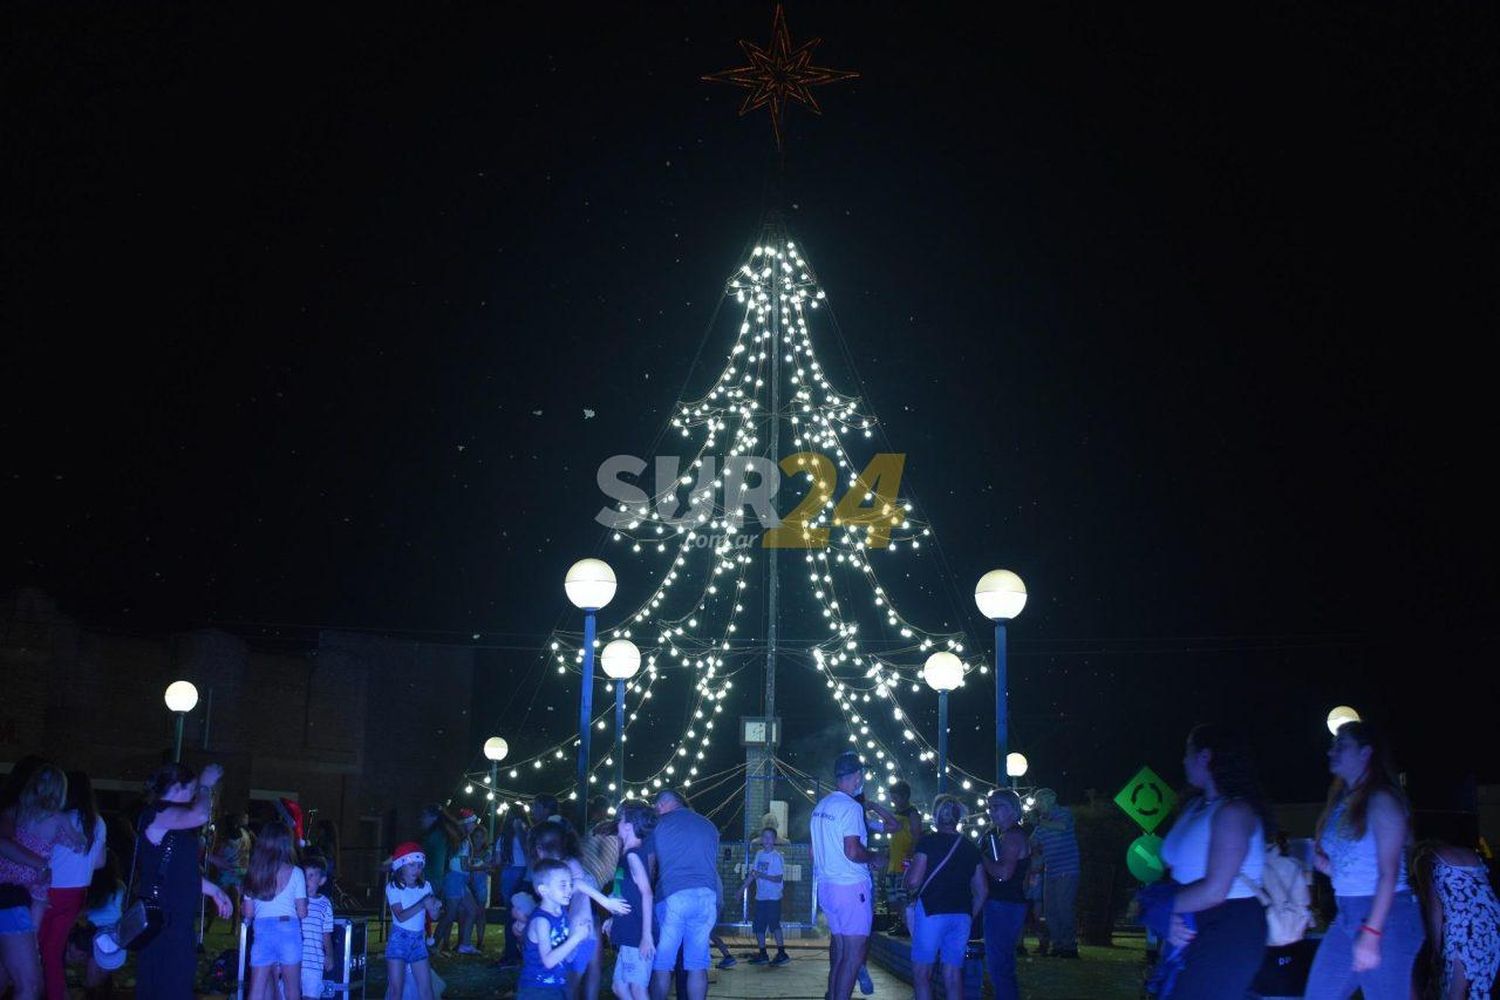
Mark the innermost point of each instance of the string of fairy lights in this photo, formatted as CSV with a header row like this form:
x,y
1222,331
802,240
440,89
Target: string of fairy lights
x,y
704,540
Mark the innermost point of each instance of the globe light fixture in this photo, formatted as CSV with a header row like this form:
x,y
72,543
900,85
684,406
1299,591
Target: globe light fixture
x,y
1339,716
181,697
1000,595
590,584
620,660
943,672
1016,765
496,749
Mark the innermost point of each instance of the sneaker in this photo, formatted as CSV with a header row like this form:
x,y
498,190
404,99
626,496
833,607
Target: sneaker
x,y
866,985
759,959
728,962
781,958
467,949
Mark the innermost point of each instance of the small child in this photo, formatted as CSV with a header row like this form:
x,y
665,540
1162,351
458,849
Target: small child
x,y
317,929
635,945
767,871
550,941
554,843
412,902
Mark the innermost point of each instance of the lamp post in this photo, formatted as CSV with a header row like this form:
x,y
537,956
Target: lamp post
x,y
1339,716
943,672
495,750
1015,766
620,660
1000,595
590,585
181,697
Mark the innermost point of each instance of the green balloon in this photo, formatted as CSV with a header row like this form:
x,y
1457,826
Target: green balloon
x,y
1143,858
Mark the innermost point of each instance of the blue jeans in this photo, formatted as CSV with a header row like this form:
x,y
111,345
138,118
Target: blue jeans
x,y
1333,976
1059,893
510,879
687,919
1002,925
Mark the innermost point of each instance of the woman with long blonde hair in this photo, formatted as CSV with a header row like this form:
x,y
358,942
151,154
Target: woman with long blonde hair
x,y
1362,839
28,831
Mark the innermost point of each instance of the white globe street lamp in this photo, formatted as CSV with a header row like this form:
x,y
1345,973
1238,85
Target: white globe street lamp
x,y
621,661
1339,716
495,750
590,585
943,672
1000,595
181,697
1016,765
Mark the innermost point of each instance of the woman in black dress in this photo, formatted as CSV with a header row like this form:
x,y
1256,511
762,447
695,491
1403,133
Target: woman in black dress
x,y
178,803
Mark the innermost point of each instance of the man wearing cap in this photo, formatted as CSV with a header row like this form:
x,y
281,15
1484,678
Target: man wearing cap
x,y
841,873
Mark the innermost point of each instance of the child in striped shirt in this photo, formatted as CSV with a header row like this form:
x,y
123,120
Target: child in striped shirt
x,y
317,929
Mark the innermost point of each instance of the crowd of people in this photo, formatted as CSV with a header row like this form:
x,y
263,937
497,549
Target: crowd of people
x,y
1222,907
644,880
82,890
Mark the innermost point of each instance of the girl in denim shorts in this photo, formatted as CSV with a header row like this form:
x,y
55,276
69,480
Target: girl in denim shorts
x,y
412,903
275,902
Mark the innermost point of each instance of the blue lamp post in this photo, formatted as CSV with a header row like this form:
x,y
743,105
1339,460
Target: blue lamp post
x,y
620,660
590,585
943,672
1000,595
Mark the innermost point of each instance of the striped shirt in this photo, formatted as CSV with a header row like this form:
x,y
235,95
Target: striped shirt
x,y
319,921
1059,847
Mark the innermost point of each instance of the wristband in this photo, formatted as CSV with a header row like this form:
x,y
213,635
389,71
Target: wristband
x,y
1370,930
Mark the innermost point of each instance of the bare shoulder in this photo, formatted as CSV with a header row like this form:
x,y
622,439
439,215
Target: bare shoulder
x,y
1384,805
1236,814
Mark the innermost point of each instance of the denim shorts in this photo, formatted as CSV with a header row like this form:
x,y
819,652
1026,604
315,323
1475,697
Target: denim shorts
x,y
767,916
276,942
942,936
686,919
16,920
405,946
630,968
312,982
454,884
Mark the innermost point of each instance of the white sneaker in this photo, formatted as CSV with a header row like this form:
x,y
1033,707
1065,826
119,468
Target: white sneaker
x,y
467,949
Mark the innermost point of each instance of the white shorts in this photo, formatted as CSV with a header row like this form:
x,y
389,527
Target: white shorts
x,y
312,982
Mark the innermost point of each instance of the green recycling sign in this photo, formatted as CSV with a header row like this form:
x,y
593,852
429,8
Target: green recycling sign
x,y
1147,799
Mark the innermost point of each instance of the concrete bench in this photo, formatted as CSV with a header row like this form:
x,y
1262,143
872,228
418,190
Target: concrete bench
x,y
893,954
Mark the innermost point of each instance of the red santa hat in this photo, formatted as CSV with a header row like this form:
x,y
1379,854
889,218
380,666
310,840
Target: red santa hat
x,y
408,853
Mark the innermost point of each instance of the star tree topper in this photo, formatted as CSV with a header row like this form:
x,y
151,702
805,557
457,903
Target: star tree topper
x,y
780,73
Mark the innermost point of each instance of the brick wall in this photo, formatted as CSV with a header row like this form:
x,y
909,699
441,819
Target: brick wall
x,y
355,725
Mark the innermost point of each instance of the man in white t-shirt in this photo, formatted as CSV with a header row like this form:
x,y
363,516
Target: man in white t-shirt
x,y
841,872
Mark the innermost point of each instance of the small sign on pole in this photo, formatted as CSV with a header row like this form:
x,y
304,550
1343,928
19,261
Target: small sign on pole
x,y
1147,799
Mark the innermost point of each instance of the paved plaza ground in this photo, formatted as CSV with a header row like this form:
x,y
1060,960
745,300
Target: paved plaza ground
x,y
1101,974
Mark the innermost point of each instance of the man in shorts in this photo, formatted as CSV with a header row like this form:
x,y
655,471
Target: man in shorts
x,y
841,873
688,893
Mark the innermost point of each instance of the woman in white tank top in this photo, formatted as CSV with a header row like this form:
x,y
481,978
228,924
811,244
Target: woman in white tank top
x,y
1216,852
1362,840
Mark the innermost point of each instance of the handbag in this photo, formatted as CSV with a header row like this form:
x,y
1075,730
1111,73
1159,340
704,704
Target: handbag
x,y
911,908
143,918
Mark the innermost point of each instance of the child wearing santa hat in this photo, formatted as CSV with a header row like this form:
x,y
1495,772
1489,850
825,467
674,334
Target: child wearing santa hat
x,y
412,901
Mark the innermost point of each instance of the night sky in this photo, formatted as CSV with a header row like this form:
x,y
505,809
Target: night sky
x,y
1179,314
